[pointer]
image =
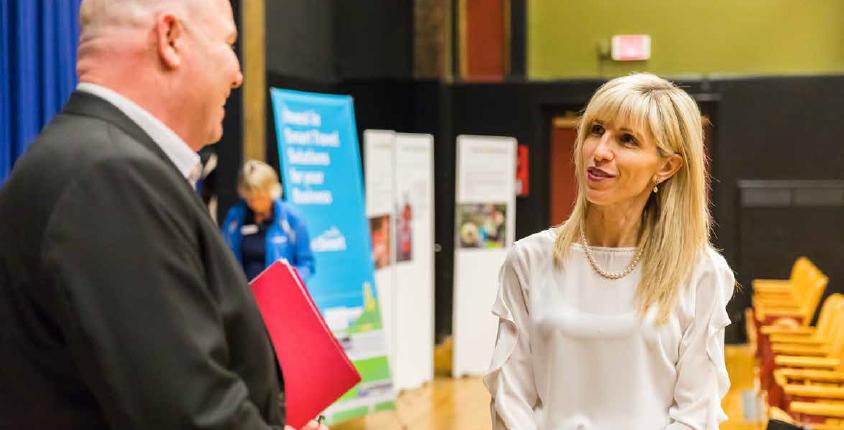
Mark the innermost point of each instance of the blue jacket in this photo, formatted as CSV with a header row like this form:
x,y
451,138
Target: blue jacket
x,y
287,238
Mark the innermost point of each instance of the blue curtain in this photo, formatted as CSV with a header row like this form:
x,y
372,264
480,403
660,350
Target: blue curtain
x,y
38,41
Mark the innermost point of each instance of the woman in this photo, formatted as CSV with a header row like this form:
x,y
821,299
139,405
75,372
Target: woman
x,y
615,319
262,229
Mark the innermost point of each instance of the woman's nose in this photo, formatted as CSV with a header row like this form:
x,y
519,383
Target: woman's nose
x,y
604,150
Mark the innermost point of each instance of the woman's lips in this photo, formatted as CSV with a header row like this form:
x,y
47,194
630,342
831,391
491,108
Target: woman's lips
x,y
597,175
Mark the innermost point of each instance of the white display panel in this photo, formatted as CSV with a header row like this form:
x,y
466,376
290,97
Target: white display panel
x,y
414,269
485,219
379,173
378,148
400,207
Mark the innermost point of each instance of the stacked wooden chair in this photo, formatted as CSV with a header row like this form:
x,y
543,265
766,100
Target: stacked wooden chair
x,y
801,366
781,420
791,348
790,301
784,307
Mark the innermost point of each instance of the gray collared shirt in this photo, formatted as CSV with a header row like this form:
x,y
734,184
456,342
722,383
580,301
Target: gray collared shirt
x,y
185,159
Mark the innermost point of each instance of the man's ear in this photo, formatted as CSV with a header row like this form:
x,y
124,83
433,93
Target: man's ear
x,y
670,166
170,34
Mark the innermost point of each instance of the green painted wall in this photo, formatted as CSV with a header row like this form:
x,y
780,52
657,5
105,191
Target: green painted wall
x,y
688,37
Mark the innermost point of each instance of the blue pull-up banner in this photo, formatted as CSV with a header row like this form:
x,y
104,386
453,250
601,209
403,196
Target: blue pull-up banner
x,y
321,175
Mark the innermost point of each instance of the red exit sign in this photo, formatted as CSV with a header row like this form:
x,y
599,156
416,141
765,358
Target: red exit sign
x,y
631,47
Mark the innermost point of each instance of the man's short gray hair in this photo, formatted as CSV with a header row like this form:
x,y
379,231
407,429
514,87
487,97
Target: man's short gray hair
x,y
96,17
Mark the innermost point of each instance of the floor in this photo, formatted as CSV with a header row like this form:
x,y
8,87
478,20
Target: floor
x,y
463,404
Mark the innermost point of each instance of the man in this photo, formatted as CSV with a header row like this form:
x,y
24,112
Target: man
x,y
120,305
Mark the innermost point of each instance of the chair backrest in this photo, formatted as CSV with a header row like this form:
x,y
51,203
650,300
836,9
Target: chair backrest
x,y
812,296
802,273
799,265
836,347
826,319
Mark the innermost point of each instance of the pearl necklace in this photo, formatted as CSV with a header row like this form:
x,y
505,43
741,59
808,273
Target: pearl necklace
x,y
598,270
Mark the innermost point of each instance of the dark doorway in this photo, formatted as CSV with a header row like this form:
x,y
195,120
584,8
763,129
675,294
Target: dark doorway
x,y
563,187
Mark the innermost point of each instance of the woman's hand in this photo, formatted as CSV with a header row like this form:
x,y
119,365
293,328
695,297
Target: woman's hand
x,y
312,425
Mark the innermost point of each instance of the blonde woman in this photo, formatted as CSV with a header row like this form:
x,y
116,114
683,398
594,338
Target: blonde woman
x,y
615,319
262,229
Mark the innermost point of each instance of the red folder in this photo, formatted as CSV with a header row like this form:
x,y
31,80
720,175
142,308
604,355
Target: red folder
x,y
315,368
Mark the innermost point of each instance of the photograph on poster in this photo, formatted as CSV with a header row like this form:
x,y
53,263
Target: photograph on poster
x,y
404,230
379,228
482,225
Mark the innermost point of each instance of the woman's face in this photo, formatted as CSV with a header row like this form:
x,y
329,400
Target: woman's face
x,y
259,202
621,163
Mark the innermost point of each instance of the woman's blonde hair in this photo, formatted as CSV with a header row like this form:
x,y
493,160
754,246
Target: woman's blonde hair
x,y
258,177
675,223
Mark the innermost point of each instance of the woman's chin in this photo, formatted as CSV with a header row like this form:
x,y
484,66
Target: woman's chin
x,y
596,198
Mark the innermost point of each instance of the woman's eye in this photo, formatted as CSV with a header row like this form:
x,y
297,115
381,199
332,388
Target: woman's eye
x,y
628,139
597,129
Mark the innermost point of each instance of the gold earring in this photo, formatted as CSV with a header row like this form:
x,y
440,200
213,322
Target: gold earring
x,y
656,189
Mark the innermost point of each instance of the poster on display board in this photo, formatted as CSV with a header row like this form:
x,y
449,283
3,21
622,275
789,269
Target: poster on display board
x,y
414,269
379,178
321,176
485,219
399,199
379,175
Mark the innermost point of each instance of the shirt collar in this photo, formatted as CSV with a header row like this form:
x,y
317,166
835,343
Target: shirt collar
x,y
186,160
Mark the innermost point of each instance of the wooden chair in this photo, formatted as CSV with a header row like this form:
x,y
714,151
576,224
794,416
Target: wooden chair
x,y
791,339
820,415
781,295
807,340
814,375
779,419
800,308
783,286
796,314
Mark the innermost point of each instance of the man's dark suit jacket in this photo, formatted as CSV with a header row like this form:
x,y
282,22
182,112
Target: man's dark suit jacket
x,y
120,305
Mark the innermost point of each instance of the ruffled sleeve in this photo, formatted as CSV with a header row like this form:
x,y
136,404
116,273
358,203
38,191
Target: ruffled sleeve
x,y
702,379
510,378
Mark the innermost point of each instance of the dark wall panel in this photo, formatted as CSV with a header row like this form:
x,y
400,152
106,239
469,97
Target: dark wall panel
x,y
329,41
518,39
374,39
300,39
777,128
386,104
773,232
229,150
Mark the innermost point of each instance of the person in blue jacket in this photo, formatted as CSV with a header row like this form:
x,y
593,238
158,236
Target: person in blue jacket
x,y
261,229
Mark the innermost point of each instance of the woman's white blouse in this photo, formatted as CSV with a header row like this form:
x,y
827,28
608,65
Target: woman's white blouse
x,y
572,354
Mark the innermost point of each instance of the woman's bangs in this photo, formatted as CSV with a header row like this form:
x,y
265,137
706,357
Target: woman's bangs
x,y
623,109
